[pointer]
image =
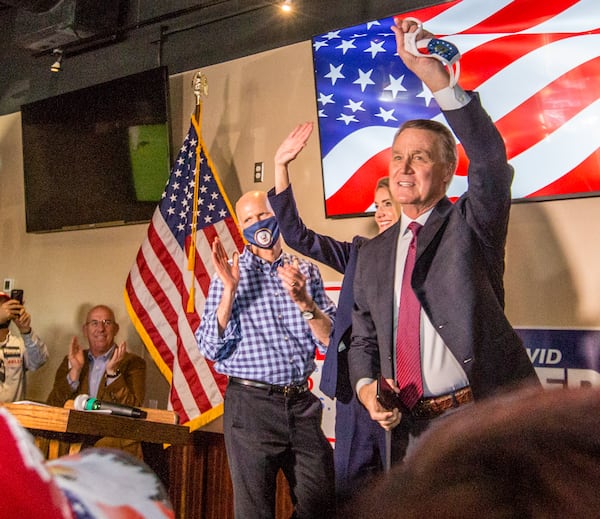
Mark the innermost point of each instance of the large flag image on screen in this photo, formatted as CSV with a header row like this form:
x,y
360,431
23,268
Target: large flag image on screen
x,y
536,66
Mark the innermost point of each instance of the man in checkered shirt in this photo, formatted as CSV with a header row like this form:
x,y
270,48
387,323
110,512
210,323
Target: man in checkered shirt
x,y
265,314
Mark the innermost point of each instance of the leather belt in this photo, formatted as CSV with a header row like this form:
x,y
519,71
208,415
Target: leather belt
x,y
289,391
435,406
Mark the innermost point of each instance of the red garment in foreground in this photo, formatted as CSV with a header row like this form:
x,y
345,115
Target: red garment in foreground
x,y
98,483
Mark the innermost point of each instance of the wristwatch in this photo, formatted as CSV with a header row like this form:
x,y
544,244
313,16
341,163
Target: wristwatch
x,y
114,375
309,314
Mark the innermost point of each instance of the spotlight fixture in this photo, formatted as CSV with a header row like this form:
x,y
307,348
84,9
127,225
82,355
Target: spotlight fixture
x,y
286,6
56,66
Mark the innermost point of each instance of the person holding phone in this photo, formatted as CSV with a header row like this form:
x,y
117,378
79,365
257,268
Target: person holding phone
x,y
18,353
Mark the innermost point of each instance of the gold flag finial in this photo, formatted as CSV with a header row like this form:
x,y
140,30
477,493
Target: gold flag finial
x,y
200,84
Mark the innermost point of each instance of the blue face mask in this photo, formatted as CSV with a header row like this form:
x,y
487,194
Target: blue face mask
x,y
263,234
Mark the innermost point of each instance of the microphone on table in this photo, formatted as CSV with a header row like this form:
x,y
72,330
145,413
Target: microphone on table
x,y
87,403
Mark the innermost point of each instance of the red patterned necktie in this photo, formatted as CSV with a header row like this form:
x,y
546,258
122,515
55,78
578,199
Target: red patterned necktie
x,y
408,340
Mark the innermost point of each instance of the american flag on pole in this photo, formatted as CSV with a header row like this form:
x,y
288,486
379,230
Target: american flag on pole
x,y
168,283
536,65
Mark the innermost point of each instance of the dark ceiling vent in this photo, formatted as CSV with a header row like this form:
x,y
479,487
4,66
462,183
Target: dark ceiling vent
x,y
33,6
69,21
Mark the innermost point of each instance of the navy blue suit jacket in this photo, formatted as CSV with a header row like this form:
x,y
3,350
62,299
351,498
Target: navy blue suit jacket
x,y
340,256
458,274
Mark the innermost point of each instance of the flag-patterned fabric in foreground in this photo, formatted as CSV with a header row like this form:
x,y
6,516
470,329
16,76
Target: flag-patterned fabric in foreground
x,y
157,291
535,64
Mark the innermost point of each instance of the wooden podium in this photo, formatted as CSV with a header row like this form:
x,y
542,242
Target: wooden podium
x,y
82,429
194,468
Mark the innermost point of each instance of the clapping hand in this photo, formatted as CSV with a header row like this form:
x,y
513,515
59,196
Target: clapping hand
x,y
112,366
75,358
294,281
228,272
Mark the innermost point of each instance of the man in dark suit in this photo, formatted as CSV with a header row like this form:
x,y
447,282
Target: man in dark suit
x,y
466,348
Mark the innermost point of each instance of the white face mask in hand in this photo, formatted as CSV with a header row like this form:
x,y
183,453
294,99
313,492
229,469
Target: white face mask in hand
x,y
442,50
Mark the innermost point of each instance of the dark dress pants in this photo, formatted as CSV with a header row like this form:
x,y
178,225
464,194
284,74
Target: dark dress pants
x,y
267,431
359,448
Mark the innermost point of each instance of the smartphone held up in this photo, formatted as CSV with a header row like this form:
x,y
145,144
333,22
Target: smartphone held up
x,y
17,293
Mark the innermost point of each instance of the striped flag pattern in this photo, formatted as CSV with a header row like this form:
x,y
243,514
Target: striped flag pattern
x,y
168,283
535,64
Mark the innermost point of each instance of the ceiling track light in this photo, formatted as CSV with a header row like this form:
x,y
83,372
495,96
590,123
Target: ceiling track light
x,y
286,6
57,65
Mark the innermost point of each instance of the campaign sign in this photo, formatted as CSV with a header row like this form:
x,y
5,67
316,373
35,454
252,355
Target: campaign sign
x,y
564,357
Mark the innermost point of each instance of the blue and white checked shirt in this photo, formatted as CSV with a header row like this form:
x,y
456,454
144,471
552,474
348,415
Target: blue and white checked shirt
x,y
266,338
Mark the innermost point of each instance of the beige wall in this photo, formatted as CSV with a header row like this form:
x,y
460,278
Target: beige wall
x,y
552,255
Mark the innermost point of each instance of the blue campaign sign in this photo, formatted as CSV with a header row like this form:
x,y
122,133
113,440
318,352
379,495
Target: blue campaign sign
x,y
567,358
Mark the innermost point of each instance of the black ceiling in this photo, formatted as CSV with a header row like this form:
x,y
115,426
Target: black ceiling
x,y
34,6
105,39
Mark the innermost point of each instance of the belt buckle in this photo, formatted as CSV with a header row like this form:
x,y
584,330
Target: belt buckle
x,y
426,410
455,402
291,391
418,411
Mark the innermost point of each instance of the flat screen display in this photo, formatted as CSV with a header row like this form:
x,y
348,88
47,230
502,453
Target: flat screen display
x,y
536,66
97,156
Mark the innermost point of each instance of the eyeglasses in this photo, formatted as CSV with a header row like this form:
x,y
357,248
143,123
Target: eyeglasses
x,y
103,322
